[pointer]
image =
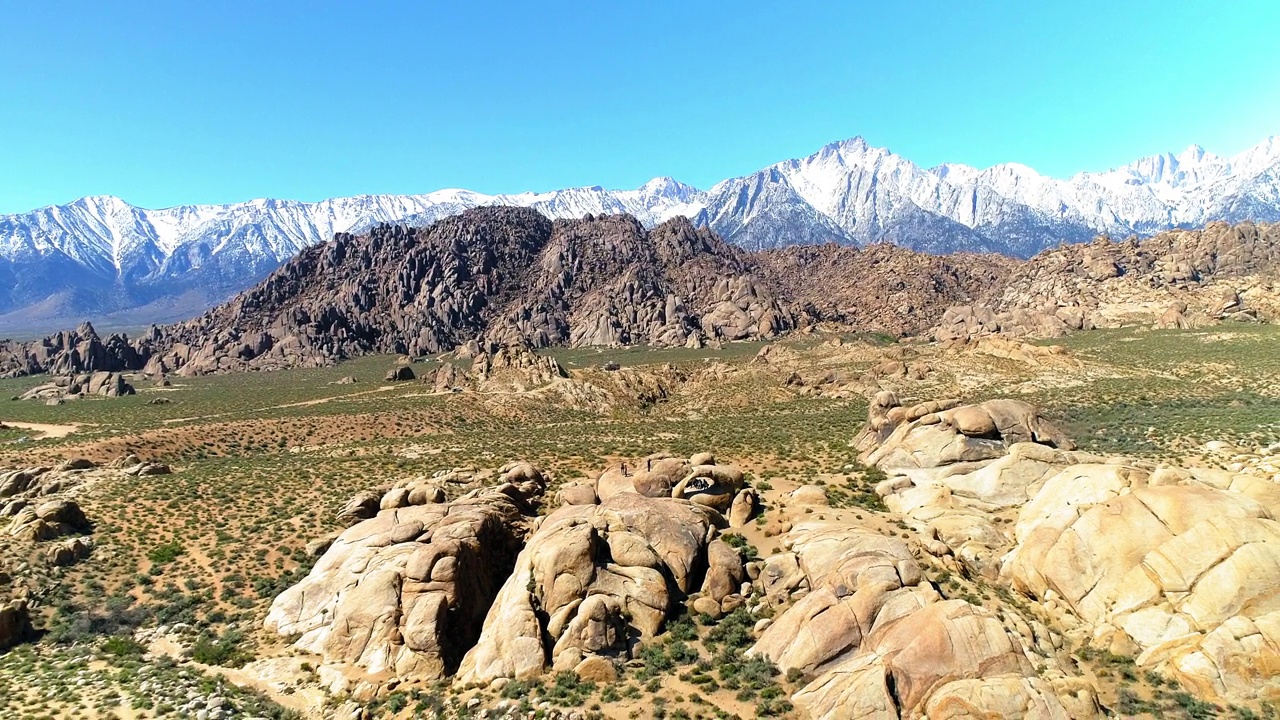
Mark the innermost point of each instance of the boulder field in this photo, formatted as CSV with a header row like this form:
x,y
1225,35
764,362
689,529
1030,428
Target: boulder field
x,y
486,577
1178,568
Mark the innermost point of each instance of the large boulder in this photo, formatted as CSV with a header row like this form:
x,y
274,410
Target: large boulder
x,y
699,479
880,642
48,520
593,581
1186,576
406,591
924,437
400,373
15,623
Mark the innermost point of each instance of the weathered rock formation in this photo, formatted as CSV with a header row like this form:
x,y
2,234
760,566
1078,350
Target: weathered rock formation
x,y
1178,568
406,590
880,642
99,384
15,623
594,581
1105,283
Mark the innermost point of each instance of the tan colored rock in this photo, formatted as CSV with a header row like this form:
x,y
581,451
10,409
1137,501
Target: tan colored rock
x,y
576,494
780,575
590,579
881,643
405,591
724,571
743,508
973,421
48,520
69,551
1186,577
597,669
808,495
652,477
707,606
714,486
1174,318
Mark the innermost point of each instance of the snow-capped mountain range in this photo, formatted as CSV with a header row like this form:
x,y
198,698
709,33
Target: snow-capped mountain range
x,y
100,255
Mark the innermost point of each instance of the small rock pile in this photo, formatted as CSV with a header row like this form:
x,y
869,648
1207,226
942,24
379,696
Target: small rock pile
x,y
72,387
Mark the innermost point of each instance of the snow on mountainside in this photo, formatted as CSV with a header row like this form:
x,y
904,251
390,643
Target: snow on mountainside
x,y
99,255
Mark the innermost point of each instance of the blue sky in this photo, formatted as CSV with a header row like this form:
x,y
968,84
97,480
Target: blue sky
x,y
169,103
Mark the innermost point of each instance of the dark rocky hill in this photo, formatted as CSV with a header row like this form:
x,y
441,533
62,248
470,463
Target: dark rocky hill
x,y
500,276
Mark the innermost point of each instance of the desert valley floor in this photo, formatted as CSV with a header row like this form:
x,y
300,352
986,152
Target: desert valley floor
x,y
203,499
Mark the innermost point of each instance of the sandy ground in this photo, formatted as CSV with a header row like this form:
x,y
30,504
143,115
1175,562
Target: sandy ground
x,y
46,431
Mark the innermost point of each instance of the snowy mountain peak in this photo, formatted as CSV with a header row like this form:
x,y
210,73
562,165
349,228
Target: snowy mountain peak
x,y
1193,154
117,256
666,186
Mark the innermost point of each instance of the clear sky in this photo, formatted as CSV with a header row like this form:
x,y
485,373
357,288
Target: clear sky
x,y
166,103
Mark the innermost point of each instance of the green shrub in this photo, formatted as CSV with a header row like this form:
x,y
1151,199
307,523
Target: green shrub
x,y
165,553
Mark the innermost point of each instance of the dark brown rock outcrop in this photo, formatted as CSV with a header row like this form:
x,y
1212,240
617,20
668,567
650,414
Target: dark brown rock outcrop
x,y
15,623
1075,287
502,277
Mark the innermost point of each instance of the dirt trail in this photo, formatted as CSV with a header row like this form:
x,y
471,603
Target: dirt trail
x,y
45,430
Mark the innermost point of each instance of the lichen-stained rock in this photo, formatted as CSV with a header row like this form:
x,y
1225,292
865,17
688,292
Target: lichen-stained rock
x,y
593,580
880,642
406,591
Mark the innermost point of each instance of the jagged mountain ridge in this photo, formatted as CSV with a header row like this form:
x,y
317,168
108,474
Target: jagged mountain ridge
x,y
491,276
502,276
100,255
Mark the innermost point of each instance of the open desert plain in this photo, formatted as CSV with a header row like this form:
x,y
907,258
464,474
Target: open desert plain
x,y
1055,500
639,361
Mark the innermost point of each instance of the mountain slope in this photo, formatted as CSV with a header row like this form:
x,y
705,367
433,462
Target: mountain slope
x,y
101,257
502,276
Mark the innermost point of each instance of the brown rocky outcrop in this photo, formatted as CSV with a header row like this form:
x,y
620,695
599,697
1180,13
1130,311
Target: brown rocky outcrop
x,y
509,276
400,373
879,288
505,276
15,623
1106,283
